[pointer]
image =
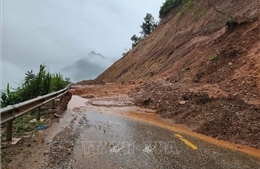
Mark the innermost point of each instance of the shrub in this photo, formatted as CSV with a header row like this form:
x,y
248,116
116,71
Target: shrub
x,y
33,85
168,5
57,82
213,57
147,26
186,7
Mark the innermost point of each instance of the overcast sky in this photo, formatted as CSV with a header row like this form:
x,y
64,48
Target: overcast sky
x,y
59,32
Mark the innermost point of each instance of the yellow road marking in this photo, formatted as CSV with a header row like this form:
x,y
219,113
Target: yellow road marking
x,y
186,142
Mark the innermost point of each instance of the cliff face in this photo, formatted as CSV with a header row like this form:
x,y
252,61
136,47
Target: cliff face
x,y
191,40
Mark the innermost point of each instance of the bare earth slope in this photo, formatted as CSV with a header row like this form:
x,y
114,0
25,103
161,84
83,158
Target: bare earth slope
x,y
199,71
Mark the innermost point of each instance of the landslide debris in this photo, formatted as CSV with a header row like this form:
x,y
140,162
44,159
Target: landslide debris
x,y
226,118
201,67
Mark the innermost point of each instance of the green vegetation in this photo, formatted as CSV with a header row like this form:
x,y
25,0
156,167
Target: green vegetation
x,y
135,40
168,5
198,14
213,57
231,23
23,124
186,7
147,26
3,154
33,85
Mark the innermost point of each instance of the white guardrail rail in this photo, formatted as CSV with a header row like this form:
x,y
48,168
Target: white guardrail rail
x,y
11,112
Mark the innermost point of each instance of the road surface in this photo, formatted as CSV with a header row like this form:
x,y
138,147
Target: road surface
x,y
100,139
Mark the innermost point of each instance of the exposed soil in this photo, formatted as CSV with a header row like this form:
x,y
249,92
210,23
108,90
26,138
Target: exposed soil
x,y
204,109
227,118
118,90
200,70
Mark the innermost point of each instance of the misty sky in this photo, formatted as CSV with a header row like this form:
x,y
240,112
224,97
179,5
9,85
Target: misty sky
x,y
59,32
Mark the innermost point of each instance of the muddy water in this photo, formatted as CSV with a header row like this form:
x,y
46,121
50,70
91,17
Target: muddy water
x,y
126,137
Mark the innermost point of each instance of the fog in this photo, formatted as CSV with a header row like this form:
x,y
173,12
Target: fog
x,y
60,32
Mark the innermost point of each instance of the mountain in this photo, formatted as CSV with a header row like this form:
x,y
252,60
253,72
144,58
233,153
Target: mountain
x,y
88,67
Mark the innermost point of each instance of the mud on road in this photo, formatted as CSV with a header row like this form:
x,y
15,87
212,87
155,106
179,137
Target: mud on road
x,y
225,117
55,147
32,150
203,108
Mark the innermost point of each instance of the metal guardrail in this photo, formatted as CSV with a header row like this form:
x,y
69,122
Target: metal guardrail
x,y
11,112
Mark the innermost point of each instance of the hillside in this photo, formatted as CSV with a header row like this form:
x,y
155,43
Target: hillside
x,y
201,68
189,40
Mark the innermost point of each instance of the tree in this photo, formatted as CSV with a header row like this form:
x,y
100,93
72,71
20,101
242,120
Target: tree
x,y
33,85
148,25
135,40
8,97
67,80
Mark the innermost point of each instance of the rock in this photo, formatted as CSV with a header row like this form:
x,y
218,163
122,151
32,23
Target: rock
x,y
183,102
57,116
89,96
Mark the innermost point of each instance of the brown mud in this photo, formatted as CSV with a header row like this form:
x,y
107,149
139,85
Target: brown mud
x,y
152,115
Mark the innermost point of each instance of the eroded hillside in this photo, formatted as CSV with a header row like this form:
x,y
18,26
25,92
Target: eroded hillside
x,y
201,67
189,42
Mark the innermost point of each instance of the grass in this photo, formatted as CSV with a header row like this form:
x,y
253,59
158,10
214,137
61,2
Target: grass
x,y
3,154
186,8
198,15
213,57
23,124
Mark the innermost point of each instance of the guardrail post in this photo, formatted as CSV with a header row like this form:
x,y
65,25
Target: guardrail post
x,y
38,113
9,130
61,99
53,104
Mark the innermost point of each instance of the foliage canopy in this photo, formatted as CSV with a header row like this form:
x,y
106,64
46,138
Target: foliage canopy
x,y
33,85
147,26
168,5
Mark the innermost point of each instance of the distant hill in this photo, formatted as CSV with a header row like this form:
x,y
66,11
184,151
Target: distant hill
x,y
88,67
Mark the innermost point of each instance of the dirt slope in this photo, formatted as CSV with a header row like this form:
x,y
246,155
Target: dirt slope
x,y
200,69
188,41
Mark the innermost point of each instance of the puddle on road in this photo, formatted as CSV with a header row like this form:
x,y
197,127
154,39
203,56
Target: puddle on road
x,y
66,119
109,103
77,102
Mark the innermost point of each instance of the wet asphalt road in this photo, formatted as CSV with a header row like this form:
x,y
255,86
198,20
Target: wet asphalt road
x,y
112,141
105,140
